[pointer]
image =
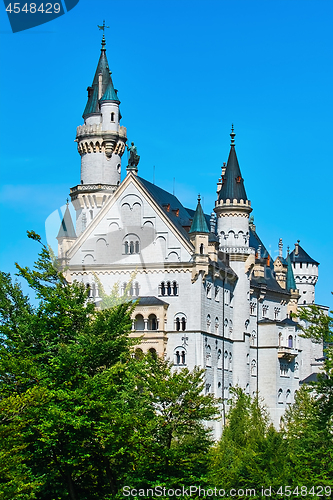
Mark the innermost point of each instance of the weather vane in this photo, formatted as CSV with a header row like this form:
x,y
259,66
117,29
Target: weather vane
x,y
103,26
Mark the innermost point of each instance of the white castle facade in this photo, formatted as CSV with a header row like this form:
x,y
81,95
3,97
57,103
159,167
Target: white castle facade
x,y
209,293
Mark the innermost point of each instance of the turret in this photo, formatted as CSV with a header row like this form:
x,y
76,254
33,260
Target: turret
x,y
292,288
232,207
199,233
306,274
101,143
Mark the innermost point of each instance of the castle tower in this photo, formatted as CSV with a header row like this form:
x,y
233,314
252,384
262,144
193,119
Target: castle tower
x,y
306,274
232,209
101,143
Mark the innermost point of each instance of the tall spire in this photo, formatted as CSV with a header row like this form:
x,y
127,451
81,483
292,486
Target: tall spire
x,y
232,182
100,82
199,224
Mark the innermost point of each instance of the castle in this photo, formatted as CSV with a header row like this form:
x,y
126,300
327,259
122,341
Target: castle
x,y
209,293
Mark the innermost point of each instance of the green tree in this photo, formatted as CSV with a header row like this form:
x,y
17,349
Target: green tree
x,y
175,439
309,422
251,453
68,396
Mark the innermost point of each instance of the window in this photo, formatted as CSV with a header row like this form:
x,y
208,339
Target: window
x,y
208,322
247,359
208,356
226,360
209,290
169,288
230,361
152,352
219,358
139,322
252,307
290,341
253,368
217,324
288,398
180,322
217,294
131,244
112,117
180,356
152,322
276,313
201,249
253,338
265,311
280,396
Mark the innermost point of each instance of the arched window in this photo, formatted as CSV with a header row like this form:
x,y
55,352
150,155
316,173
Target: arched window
x,y
217,324
253,368
169,289
162,288
201,249
290,341
180,322
219,358
280,339
230,361
288,396
280,396
131,244
226,360
139,322
88,287
152,352
180,356
152,322
208,322
208,355
247,359
112,117
136,289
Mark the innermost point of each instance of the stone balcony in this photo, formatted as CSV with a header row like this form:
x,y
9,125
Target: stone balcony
x,y
287,353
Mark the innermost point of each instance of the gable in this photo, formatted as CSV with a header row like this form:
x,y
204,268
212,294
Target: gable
x,y
131,230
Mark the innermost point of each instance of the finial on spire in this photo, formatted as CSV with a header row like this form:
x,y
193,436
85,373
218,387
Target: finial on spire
x,y
199,198
67,201
103,37
232,135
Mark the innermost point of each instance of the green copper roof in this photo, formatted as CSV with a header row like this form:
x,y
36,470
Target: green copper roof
x,y
199,224
102,68
66,228
110,94
232,181
291,285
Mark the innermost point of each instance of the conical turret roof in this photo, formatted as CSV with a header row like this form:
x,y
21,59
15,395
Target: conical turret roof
x,y
102,68
67,228
300,255
199,224
232,181
110,94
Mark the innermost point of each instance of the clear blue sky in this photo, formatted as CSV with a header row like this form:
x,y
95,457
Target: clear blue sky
x,y
185,70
